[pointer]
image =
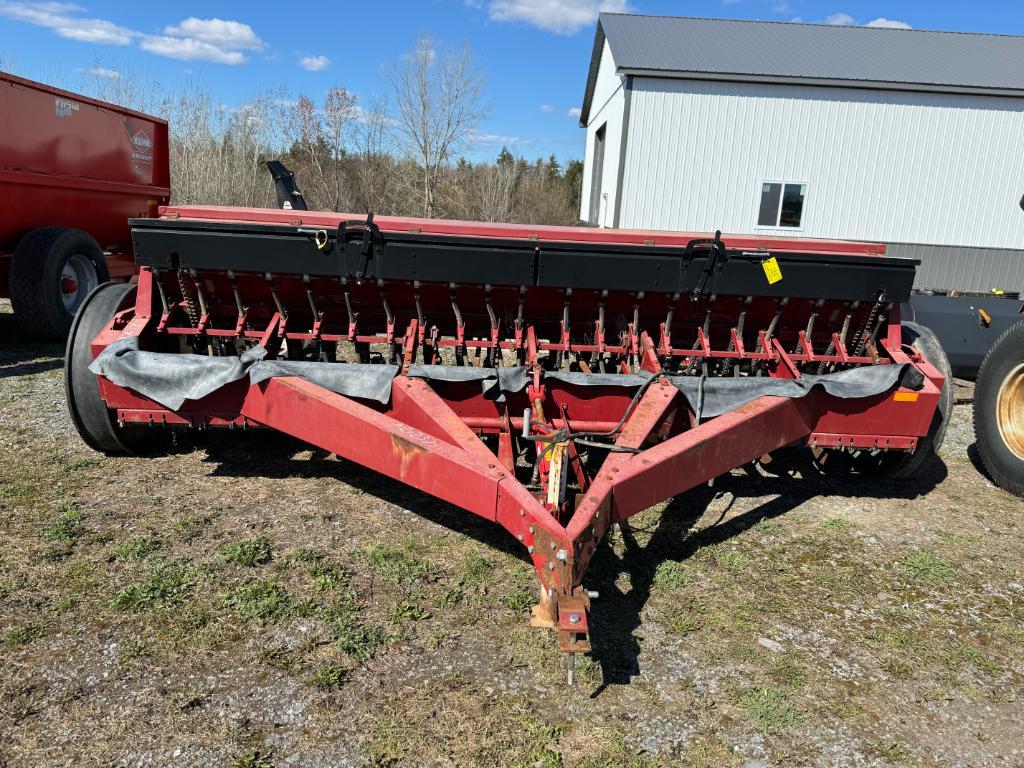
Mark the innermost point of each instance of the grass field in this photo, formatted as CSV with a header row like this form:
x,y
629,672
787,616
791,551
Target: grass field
x,y
245,601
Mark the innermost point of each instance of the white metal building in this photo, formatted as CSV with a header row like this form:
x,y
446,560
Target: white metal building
x,y
910,138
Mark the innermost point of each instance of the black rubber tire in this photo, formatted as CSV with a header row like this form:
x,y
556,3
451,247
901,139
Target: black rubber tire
x,y
898,465
89,413
35,278
1004,357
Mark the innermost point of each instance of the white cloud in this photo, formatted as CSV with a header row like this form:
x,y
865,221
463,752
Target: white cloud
x,y
61,18
546,108
216,40
839,19
232,35
189,49
563,17
881,21
574,112
109,74
494,139
782,6
314,63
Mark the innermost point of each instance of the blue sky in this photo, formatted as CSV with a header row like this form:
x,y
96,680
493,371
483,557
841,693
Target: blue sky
x,y
535,52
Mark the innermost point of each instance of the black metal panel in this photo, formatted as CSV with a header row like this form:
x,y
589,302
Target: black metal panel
x,y
847,278
623,270
258,252
960,328
474,262
480,260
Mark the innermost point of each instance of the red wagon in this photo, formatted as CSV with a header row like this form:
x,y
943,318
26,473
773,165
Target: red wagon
x,y
73,170
553,380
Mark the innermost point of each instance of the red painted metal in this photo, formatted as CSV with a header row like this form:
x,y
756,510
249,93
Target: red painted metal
x,y
448,439
71,161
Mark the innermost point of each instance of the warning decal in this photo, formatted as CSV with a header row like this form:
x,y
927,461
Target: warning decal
x,y
771,270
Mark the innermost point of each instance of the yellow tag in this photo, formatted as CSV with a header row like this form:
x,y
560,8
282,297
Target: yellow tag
x,y
771,270
905,397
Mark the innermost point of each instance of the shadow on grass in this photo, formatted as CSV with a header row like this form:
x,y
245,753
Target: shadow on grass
x,y
23,356
616,614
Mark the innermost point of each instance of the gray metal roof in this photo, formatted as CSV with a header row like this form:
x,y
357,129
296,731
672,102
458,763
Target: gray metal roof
x,y
852,56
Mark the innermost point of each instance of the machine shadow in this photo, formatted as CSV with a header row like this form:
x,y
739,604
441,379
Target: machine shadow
x,y
22,356
616,613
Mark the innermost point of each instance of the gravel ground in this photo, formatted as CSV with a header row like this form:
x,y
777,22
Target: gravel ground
x,y
246,601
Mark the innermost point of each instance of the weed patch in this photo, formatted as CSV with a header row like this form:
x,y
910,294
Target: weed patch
x,y
18,636
672,575
247,552
928,567
67,528
770,709
264,600
329,676
137,549
162,586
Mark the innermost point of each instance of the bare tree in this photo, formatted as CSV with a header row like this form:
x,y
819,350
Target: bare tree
x,y
375,168
438,97
126,88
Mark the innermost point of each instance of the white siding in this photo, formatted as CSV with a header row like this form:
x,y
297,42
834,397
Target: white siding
x,y
606,108
880,165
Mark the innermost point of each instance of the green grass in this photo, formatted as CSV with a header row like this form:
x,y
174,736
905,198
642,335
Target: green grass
x,y
254,759
21,635
898,668
351,636
836,524
137,549
520,590
327,576
329,676
770,709
734,561
67,528
305,555
928,567
956,653
17,492
401,565
672,575
247,552
406,610
264,600
163,586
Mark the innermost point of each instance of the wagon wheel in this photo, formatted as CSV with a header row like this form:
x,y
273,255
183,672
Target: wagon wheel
x,y
53,271
899,464
89,413
999,410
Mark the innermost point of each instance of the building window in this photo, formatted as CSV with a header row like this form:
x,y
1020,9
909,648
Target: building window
x,y
782,205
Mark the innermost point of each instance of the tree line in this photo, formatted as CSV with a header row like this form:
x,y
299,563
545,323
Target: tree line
x,y
403,154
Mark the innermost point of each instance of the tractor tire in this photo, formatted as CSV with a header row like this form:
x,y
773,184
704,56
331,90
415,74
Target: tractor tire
x,y
999,410
94,421
53,270
899,465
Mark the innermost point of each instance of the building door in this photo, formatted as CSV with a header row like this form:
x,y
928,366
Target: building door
x,y
596,175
